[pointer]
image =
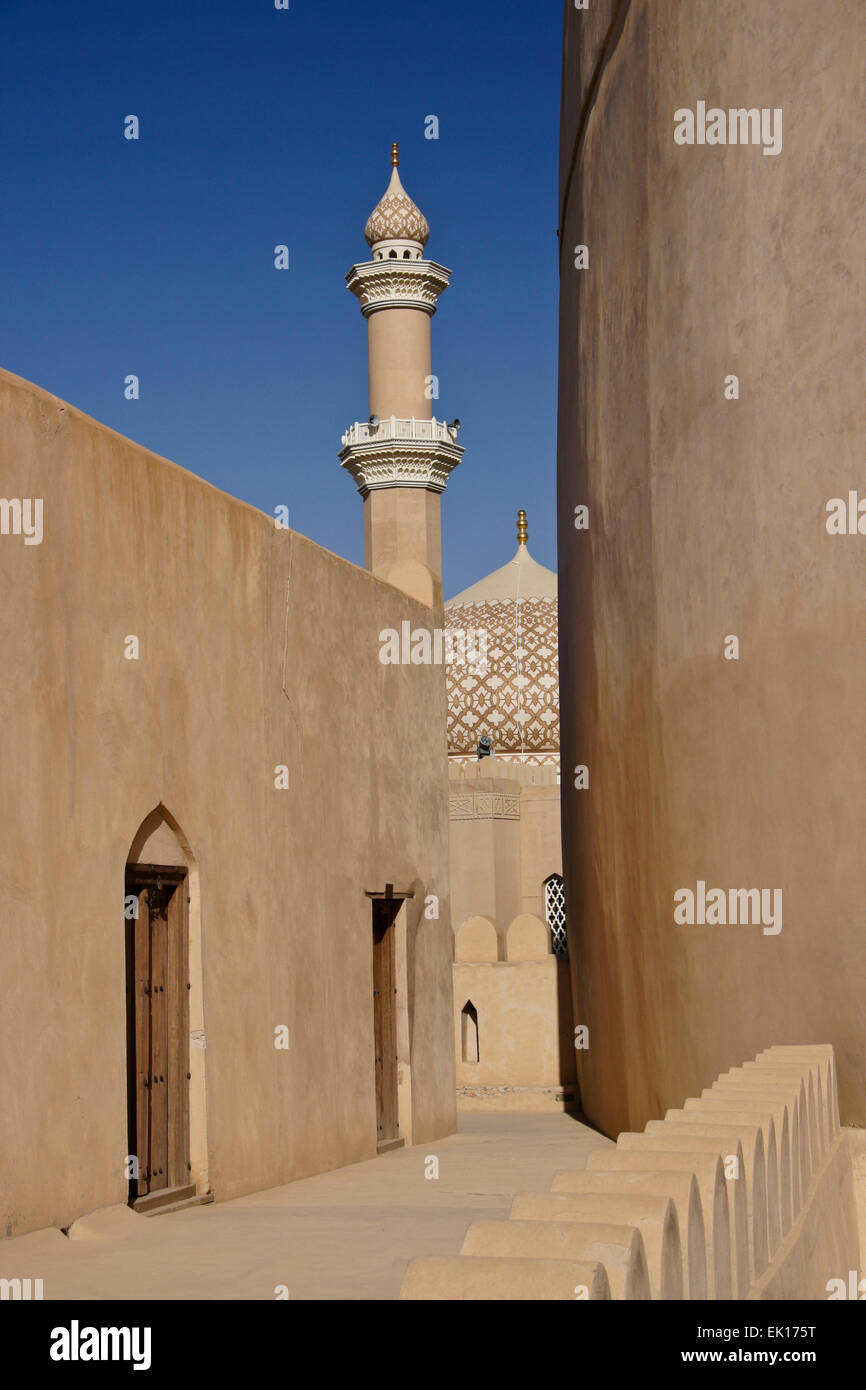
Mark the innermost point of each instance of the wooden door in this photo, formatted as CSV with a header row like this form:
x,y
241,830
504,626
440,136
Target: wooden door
x,y
385,1021
158,1033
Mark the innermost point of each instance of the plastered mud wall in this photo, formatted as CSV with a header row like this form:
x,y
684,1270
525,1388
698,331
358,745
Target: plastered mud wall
x,y
257,650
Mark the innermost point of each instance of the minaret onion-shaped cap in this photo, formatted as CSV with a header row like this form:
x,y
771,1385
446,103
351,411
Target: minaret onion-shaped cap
x,y
396,217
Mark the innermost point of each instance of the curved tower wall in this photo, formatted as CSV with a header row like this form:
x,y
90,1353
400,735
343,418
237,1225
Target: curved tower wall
x,y
708,520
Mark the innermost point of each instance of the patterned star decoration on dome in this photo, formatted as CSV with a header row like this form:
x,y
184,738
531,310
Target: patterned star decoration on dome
x,y
396,217
515,698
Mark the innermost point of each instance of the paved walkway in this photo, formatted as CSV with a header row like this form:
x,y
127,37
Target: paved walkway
x,y
348,1234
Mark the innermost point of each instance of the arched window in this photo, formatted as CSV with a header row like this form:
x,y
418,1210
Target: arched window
x,y
469,1032
554,912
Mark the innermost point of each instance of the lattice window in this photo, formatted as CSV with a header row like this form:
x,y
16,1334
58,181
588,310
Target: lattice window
x,y
554,911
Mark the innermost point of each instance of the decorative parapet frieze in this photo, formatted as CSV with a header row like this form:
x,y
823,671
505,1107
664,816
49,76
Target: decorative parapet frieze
x,y
484,806
395,284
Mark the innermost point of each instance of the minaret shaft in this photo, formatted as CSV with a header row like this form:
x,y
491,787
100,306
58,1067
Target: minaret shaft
x,y
402,530
398,349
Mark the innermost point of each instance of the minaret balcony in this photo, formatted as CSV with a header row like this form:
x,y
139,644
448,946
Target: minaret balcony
x,y
401,453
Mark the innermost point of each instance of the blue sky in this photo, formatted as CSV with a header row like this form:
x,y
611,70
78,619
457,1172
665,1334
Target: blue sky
x,y
260,127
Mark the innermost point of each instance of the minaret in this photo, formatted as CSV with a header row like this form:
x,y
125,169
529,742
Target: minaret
x,y
402,457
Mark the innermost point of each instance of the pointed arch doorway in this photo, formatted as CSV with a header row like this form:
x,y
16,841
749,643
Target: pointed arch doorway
x,y
163,988
157,1029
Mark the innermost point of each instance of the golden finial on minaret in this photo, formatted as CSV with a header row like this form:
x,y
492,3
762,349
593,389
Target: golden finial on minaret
x,y
522,528
395,155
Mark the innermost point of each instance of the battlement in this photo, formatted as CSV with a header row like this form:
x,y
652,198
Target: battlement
x,y
746,1192
503,770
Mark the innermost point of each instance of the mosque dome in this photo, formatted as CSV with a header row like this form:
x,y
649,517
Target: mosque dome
x,y
396,218
506,686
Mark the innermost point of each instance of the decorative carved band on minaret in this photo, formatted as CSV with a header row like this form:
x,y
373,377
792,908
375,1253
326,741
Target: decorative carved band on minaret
x,y
397,284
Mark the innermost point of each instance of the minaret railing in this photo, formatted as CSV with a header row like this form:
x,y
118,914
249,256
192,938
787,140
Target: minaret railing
x,y
396,428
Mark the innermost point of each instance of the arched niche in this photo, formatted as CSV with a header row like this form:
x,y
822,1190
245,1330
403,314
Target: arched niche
x,y
469,1045
159,840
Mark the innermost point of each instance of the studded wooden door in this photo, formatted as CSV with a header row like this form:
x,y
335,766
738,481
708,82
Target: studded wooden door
x,y
385,1021
158,1032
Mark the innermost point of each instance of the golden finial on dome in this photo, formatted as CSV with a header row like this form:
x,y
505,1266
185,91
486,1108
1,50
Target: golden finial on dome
x,y
522,528
395,155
